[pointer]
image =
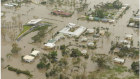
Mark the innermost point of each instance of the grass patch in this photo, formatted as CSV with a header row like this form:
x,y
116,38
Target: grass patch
x,y
25,28
120,69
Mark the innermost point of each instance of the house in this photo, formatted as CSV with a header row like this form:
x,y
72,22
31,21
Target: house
x,y
119,60
111,20
35,53
129,36
96,18
90,44
102,32
11,4
62,13
28,58
125,42
131,24
104,20
49,45
91,17
90,30
116,50
34,21
84,52
84,39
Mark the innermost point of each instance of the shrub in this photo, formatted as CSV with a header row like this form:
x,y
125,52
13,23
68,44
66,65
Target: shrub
x,y
18,71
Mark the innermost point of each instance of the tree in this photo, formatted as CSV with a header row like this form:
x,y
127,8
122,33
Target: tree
x,y
15,48
62,47
41,65
117,4
101,62
76,53
135,67
52,56
99,13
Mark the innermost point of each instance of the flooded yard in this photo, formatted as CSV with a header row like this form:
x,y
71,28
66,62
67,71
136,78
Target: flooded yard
x,y
30,11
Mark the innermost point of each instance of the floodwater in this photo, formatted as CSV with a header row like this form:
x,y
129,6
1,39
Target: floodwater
x,y
30,11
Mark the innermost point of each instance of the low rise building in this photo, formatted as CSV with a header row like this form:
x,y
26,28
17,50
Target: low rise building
x,y
28,58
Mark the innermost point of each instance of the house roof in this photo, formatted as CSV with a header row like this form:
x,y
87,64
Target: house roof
x,y
50,45
90,44
76,33
35,52
34,21
28,57
90,30
119,60
84,51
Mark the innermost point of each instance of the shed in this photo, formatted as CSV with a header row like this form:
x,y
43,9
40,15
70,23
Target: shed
x,y
35,53
28,58
119,60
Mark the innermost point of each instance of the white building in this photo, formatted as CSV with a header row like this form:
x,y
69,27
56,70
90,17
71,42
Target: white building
x,y
71,25
35,53
49,45
119,60
102,32
90,30
90,44
76,33
34,21
28,58
84,39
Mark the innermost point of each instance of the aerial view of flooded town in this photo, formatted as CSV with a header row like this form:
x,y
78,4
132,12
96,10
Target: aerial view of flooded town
x,y
70,39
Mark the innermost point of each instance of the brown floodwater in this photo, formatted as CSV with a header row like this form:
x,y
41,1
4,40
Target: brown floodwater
x,y
30,11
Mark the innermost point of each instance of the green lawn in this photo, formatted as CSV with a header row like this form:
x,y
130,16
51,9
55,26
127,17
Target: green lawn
x,y
25,28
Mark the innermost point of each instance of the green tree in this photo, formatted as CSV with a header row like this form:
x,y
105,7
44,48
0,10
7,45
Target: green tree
x,y
76,53
99,13
135,67
101,62
41,65
15,48
117,4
